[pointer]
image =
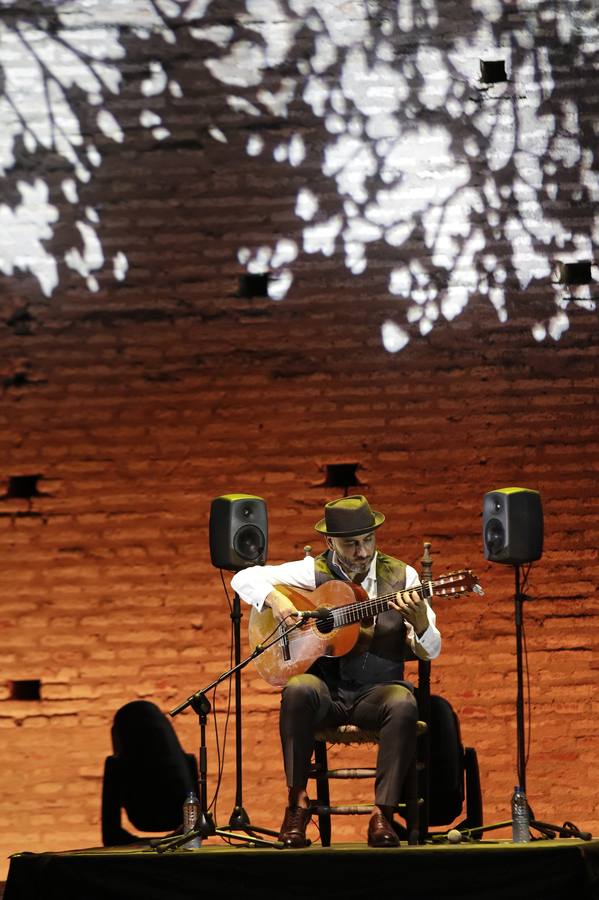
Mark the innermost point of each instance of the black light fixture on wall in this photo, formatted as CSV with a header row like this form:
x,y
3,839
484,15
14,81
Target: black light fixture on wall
x,y
341,475
575,273
254,284
492,71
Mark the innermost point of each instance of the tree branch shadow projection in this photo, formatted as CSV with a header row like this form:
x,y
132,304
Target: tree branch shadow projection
x,y
59,72
405,160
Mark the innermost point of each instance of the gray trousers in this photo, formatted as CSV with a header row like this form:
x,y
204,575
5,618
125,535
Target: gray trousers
x,y
390,709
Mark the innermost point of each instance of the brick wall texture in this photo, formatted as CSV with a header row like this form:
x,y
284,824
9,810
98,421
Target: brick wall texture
x,y
136,402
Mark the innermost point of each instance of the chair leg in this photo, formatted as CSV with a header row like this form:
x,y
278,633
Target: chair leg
x,y
412,809
474,800
322,791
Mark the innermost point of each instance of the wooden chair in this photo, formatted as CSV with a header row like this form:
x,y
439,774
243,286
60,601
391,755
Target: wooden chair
x,y
410,806
415,802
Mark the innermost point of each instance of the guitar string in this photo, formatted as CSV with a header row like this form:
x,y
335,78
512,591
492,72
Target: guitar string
x,y
353,612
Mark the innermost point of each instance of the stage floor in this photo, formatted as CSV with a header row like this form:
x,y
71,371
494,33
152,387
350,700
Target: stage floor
x,y
561,869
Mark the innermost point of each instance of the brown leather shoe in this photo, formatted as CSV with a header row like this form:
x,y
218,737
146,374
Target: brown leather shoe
x,y
381,832
293,829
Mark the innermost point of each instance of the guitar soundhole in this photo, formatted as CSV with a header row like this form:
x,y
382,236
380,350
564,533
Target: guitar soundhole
x,y
326,625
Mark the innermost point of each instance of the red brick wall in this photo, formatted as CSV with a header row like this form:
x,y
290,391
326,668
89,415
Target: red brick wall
x,y
139,404
108,589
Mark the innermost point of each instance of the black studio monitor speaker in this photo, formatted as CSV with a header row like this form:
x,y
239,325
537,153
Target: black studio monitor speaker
x,y
512,525
238,531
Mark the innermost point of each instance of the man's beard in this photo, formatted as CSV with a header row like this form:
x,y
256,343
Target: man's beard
x,y
351,567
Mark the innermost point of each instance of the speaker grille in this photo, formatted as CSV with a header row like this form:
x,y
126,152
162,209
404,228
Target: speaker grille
x,y
249,543
494,536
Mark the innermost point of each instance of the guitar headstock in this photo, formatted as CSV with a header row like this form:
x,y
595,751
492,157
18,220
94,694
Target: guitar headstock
x,y
463,582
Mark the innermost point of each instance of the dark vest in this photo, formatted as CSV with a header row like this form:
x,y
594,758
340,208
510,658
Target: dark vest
x,y
378,657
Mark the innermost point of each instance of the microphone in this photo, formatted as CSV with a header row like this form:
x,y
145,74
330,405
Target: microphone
x,y
321,613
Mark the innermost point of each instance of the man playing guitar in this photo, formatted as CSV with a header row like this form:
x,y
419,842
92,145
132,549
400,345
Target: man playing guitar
x,y
364,687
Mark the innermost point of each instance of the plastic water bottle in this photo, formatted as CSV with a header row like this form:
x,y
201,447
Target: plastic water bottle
x,y
520,817
191,814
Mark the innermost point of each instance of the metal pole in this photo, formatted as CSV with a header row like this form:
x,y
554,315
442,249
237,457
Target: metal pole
x,y
521,742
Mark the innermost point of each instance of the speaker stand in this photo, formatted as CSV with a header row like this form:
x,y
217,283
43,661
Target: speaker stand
x,y
239,819
546,829
519,598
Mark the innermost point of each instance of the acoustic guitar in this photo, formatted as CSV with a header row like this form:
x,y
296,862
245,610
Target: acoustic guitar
x,y
337,608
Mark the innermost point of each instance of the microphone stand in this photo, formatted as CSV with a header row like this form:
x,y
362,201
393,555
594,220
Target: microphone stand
x,y
200,704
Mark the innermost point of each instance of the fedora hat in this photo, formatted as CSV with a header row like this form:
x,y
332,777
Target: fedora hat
x,y
349,516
